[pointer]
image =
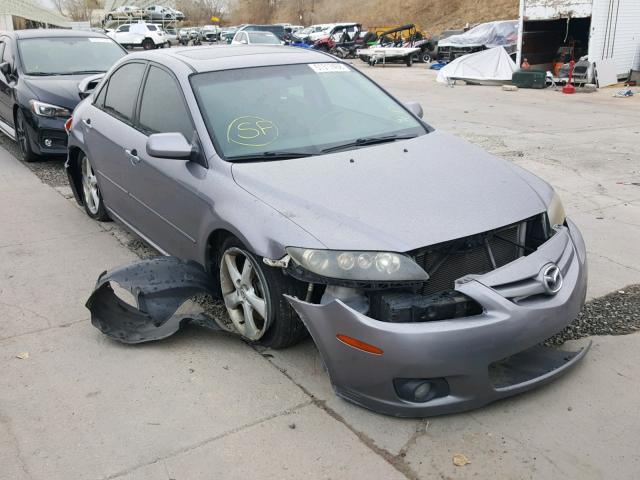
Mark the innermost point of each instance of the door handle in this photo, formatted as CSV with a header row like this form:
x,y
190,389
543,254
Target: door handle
x,y
133,156
87,122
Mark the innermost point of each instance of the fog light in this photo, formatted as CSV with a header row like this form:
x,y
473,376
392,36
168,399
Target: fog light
x,y
48,142
421,390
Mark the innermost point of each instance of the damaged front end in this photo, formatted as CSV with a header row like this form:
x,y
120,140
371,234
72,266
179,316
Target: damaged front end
x,y
160,288
468,335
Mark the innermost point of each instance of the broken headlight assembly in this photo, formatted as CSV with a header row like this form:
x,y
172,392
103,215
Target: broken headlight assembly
x,y
555,211
353,267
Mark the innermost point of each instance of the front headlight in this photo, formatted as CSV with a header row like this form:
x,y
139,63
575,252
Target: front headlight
x,y
48,110
358,265
555,211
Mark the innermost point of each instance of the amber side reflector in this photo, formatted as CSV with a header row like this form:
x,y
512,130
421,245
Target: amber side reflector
x,y
355,343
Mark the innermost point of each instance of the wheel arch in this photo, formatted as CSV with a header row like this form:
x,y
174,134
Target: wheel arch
x,y
72,166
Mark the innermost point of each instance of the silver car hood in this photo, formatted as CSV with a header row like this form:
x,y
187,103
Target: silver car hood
x,y
385,198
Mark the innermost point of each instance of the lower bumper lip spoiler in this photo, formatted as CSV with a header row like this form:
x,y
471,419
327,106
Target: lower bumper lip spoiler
x,y
160,286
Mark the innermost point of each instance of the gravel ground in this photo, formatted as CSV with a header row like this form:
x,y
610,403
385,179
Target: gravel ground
x,y
615,314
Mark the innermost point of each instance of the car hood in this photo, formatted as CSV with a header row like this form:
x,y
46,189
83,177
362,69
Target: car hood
x,y
397,196
58,90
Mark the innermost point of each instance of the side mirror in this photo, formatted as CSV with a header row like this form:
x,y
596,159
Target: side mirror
x,y
89,84
169,145
415,108
244,42
5,68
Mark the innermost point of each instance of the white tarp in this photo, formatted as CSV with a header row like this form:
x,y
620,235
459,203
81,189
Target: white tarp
x,y
491,34
488,66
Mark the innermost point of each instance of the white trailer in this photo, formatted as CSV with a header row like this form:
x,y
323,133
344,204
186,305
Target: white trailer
x,y
605,31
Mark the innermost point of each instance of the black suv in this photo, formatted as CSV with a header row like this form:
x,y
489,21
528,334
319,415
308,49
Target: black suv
x,y
40,74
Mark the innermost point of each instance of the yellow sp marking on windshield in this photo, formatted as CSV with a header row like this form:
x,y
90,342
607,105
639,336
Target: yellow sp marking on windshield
x,y
252,131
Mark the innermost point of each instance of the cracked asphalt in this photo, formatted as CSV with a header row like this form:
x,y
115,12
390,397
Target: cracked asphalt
x,y
201,404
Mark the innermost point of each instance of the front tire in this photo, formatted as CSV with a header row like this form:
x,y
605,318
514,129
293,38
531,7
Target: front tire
x,y
91,196
254,296
148,44
24,142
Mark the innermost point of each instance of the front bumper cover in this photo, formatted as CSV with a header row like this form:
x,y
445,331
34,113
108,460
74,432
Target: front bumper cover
x,y
160,286
482,358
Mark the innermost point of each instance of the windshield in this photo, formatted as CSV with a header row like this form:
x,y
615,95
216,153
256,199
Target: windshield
x,y
264,37
68,55
305,109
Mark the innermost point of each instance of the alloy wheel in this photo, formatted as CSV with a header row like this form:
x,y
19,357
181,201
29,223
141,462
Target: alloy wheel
x,y
244,290
89,186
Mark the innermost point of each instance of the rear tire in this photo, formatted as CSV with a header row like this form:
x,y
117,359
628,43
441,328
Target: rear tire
x,y
409,61
91,196
281,328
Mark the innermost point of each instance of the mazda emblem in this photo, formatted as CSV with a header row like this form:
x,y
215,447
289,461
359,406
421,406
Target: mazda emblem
x,y
551,279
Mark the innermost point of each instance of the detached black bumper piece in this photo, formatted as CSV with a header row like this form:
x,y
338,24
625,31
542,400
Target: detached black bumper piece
x,y
160,286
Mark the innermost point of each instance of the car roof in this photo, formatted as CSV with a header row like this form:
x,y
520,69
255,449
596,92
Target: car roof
x,y
227,57
54,32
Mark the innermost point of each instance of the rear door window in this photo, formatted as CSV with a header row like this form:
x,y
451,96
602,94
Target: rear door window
x,y
122,91
163,109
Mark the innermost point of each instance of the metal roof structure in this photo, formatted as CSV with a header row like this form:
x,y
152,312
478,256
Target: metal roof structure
x,y
31,11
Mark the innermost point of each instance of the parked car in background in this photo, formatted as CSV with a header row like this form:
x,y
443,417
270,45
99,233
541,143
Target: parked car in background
x,y
277,30
158,12
271,168
210,33
40,77
126,12
302,36
256,38
170,31
227,34
177,14
183,36
145,35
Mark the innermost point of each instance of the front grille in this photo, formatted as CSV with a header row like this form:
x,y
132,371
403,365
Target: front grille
x,y
477,254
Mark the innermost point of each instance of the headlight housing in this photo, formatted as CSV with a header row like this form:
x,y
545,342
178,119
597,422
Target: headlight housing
x,y
555,211
358,266
47,110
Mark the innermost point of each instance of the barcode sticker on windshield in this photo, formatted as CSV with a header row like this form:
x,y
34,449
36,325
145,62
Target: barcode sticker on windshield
x,y
328,67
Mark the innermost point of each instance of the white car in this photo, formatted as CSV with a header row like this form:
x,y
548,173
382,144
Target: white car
x,y
255,38
143,35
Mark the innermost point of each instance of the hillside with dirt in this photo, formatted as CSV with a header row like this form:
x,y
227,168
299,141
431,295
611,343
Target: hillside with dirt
x,y
431,15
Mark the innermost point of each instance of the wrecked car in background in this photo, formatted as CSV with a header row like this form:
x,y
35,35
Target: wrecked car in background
x,y
503,33
427,271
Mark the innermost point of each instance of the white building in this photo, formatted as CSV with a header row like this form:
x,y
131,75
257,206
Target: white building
x,y
606,30
21,14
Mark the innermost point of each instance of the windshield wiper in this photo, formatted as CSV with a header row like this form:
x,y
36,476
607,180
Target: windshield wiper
x,y
82,72
361,142
266,156
42,74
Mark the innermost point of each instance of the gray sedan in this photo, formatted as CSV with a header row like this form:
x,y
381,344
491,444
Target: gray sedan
x,y
427,271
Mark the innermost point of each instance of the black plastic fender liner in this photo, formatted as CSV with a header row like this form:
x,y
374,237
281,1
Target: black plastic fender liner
x,y
160,286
